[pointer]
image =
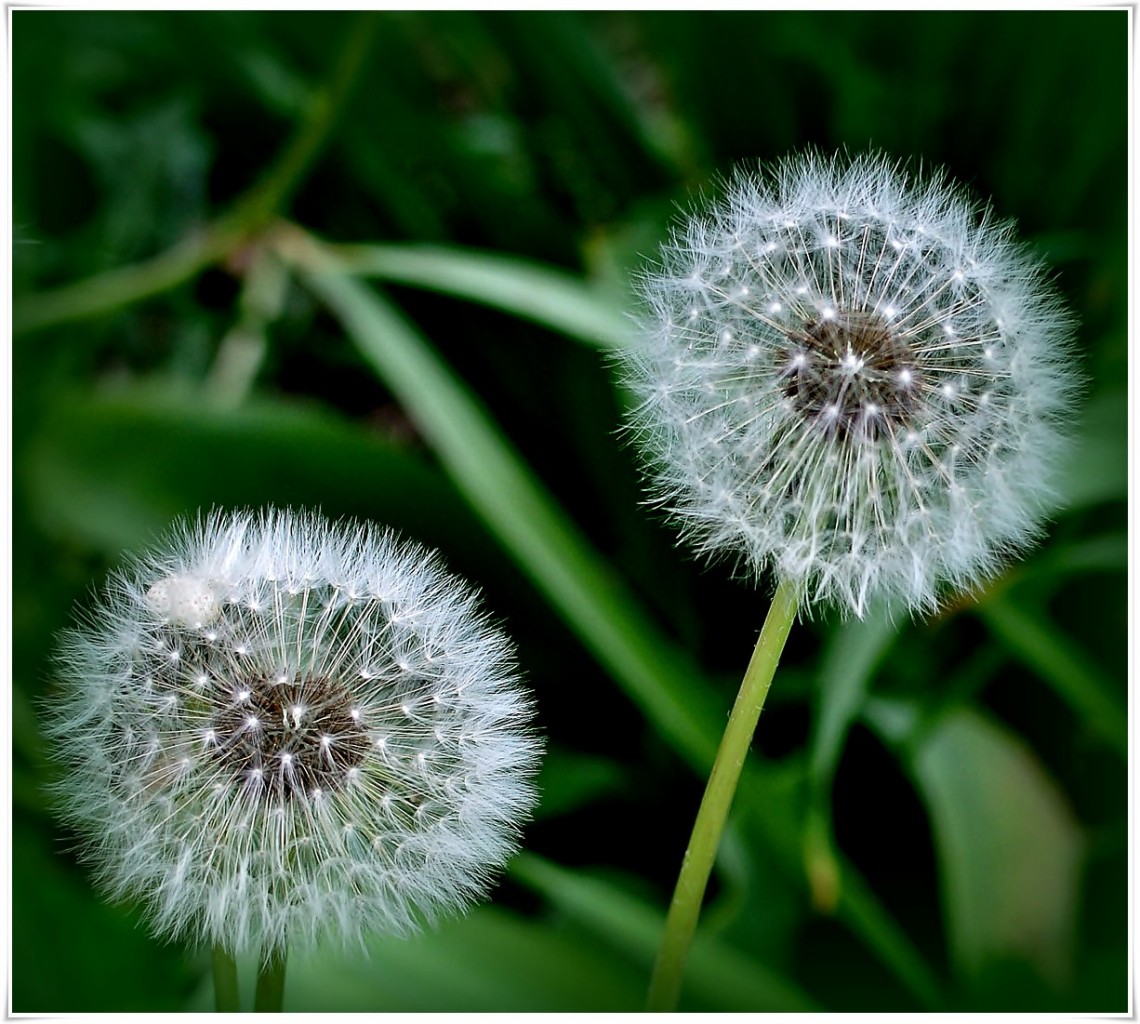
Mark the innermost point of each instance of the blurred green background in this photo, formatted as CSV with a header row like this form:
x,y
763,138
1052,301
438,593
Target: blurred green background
x,y
936,813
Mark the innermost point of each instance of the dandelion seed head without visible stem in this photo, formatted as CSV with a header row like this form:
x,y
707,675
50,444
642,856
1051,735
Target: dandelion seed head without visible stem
x,y
279,729
855,377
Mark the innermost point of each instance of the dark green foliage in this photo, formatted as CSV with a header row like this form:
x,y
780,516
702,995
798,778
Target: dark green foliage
x,y
937,815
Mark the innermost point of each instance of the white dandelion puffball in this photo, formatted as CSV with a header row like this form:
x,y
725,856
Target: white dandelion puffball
x,y
855,377
280,729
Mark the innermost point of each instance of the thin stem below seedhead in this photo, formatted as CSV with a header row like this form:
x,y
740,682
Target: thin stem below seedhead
x,y
225,982
681,923
270,994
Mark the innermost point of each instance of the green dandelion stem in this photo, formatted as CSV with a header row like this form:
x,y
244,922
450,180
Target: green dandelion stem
x,y
270,994
225,982
681,922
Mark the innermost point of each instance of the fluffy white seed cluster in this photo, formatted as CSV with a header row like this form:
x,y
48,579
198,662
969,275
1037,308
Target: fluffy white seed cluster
x,y
280,728
854,376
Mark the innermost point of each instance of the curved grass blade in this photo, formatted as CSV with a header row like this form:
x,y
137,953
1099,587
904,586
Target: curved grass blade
x,y
719,976
1058,662
1010,849
849,660
501,487
543,294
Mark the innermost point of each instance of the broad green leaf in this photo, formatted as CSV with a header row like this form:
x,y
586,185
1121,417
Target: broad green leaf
x,y
718,976
488,961
115,470
1056,659
569,780
26,738
28,792
74,952
1097,468
548,296
1009,847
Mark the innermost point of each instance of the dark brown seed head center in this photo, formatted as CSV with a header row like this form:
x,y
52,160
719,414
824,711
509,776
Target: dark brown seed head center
x,y
851,374
289,738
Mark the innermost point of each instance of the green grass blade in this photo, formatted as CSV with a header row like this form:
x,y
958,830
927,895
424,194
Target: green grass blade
x,y
545,295
1010,849
859,905
1105,553
718,975
593,600
848,663
852,654
1055,658
765,791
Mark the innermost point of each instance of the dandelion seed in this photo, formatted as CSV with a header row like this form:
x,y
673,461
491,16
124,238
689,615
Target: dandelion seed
x,y
224,791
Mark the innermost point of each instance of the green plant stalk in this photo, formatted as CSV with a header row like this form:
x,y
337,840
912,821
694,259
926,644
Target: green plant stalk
x,y
277,186
242,351
270,992
225,982
681,922
124,286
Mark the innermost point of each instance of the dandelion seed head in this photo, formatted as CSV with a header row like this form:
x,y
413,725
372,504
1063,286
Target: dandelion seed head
x,y
893,429
262,790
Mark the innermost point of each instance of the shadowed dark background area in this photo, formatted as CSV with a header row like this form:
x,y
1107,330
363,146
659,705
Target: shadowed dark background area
x,y
937,818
